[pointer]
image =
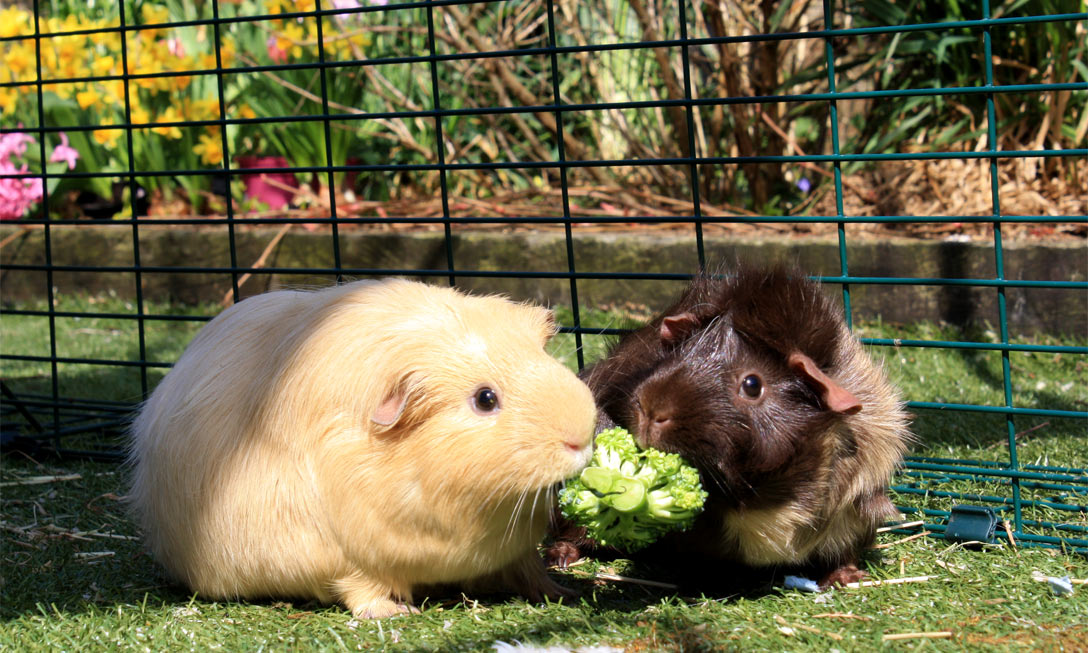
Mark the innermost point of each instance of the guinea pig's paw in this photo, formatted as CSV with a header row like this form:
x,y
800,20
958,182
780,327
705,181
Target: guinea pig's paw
x,y
382,609
848,573
368,599
562,554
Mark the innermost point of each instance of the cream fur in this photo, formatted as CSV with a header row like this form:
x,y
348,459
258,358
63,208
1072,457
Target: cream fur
x,y
823,529
257,470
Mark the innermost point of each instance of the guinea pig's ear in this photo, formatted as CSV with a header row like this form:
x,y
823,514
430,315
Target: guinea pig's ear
x,y
837,398
676,328
391,409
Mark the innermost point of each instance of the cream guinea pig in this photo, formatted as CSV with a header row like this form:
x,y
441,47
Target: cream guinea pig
x,y
353,443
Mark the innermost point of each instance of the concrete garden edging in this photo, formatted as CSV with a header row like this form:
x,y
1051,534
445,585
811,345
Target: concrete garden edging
x,y
599,252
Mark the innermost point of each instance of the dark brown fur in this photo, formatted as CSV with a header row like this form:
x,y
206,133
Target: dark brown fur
x,y
676,385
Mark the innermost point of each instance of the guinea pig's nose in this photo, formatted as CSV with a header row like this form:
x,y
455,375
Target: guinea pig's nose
x,y
657,414
660,425
658,419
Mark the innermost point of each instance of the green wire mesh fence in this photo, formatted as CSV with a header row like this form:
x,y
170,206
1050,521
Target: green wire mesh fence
x,y
562,126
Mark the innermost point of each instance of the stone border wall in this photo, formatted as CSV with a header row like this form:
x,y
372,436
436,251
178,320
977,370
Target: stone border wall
x,y
1030,310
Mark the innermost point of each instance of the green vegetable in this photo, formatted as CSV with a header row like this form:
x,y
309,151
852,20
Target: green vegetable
x,y
627,498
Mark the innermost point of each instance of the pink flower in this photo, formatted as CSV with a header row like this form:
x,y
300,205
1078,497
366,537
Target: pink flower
x,y
276,53
175,47
16,195
64,153
14,143
345,4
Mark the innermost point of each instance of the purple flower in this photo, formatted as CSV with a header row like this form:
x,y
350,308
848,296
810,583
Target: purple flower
x,y
804,184
64,153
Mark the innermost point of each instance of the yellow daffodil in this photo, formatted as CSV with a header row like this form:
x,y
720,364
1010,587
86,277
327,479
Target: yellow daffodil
x,y
149,67
20,62
153,14
67,48
139,115
181,83
290,39
7,101
206,109
210,149
201,109
111,41
49,59
170,115
71,23
87,98
227,51
361,40
247,112
102,66
114,92
107,137
74,69
14,22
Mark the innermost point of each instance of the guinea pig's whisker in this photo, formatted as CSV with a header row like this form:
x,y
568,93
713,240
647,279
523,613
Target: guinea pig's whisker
x,y
532,507
535,503
709,331
493,507
518,517
719,482
508,532
714,476
553,516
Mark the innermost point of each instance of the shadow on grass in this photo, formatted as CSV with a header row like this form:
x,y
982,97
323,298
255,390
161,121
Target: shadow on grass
x,y
94,406
70,548
69,543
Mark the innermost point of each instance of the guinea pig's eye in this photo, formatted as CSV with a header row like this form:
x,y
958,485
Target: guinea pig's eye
x,y
752,386
485,401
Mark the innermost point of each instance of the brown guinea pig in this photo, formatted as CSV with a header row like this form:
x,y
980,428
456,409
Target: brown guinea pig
x,y
757,381
354,443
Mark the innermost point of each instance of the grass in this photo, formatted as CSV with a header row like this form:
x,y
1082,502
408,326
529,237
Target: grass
x,y
76,578
75,575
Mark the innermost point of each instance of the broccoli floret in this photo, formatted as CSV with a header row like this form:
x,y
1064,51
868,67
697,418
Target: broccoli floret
x,y
628,498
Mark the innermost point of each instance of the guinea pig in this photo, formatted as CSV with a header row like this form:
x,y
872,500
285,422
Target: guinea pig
x,y
351,444
757,381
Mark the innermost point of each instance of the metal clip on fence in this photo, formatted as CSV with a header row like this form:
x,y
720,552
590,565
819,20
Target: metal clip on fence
x,y
971,524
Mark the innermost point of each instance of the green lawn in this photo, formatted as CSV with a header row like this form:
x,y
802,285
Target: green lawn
x,y
75,577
